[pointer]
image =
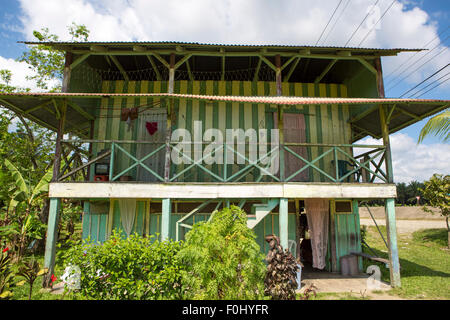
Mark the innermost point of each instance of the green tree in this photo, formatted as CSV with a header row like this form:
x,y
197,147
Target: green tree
x,y
438,125
46,62
437,192
222,258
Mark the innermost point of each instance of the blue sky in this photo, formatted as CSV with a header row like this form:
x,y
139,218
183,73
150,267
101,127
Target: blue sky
x,y
407,24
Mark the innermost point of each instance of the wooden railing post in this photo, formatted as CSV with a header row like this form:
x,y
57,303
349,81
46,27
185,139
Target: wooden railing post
x,y
280,116
170,114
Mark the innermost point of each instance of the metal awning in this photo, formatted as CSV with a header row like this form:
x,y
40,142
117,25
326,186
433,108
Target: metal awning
x,y
41,108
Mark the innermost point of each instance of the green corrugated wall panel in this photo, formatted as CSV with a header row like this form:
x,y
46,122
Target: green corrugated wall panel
x,y
325,124
348,237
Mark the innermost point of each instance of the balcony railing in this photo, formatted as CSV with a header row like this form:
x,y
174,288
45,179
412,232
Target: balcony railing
x,y
291,162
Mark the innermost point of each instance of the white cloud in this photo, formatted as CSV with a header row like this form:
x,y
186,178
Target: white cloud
x,y
412,161
19,72
252,22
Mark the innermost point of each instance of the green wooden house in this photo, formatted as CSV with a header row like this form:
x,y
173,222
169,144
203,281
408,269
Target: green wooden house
x,y
177,130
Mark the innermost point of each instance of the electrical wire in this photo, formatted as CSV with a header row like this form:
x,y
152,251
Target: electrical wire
x,y
354,32
434,87
373,27
331,18
429,85
425,80
417,68
408,60
335,21
411,65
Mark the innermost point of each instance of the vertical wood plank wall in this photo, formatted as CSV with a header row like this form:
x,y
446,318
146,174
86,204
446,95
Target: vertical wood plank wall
x,y
324,123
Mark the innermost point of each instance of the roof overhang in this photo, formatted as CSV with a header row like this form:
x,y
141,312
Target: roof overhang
x,y
41,108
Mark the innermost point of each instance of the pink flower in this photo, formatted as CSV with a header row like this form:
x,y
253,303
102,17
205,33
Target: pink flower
x,y
53,278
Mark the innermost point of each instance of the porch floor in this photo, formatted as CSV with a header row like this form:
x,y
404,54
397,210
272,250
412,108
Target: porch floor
x,y
326,281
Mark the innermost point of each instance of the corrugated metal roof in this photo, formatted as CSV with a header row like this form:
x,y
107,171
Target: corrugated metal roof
x,y
282,100
154,43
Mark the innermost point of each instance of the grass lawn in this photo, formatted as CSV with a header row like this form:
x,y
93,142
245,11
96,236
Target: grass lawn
x,y
424,262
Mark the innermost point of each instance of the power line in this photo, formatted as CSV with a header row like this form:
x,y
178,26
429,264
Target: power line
x,y
335,21
425,80
429,84
406,61
373,27
434,87
408,67
368,13
328,22
417,68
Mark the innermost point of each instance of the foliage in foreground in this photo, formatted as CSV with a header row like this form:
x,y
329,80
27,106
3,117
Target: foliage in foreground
x,y
135,268
222,259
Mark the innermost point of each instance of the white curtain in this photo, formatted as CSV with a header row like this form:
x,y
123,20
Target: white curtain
x,y
317,213
127,214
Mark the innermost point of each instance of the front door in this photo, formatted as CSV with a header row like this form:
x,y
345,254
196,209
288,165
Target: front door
x,y
152,128
294,132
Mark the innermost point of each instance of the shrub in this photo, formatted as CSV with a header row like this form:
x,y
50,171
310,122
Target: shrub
x,y
131,268
222,259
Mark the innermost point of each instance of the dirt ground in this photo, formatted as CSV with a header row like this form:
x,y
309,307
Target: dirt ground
x,y
401,213
407,226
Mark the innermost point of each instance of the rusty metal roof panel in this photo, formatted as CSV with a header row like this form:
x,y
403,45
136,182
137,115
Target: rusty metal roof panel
x,y
199,44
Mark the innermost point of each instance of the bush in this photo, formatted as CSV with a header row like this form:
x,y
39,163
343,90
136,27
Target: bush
x,y
131,268
222,259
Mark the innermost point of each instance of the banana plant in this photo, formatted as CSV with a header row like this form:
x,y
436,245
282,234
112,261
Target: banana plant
x,y
26,195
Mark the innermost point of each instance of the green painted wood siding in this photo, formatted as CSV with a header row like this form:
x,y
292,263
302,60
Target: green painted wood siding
x,y
98,226
324,123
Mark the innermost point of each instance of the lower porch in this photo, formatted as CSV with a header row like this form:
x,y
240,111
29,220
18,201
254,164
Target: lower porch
x,y
168,210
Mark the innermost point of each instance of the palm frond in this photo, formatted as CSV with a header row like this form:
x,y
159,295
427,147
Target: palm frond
x,y
439,125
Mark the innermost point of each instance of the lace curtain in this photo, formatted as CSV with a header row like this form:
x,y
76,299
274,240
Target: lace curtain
x,y
317,214
127,214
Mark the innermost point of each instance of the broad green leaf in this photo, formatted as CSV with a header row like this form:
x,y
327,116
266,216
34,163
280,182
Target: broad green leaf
x,y
42,271
21,283
21,185
42,185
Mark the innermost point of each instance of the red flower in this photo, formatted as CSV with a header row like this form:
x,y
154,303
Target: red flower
x,y
53,278
6,249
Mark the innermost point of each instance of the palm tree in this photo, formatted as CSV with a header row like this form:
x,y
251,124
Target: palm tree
x,y
439,125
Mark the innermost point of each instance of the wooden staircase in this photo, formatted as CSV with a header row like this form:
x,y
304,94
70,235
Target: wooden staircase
x,y
259,211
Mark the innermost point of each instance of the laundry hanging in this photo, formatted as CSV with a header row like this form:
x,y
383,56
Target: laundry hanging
x,y
151,127
317,214
127,214
129,114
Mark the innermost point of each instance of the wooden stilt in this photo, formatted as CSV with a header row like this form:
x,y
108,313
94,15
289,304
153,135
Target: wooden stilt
x,y
283,221
52,237
394,263
165,222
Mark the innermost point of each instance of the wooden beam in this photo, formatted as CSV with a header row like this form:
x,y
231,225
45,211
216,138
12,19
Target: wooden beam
x,y
182,60
119,66
291,70
188,67
103,155
58,146
391,228
165,219
386,142
288,62
284,223
42,105
380,83
258,67
80,110
164,62
51,238
412,115
324,72
270,64
155,67
55,105
222,76
79,60
229,190
366,64
388,118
